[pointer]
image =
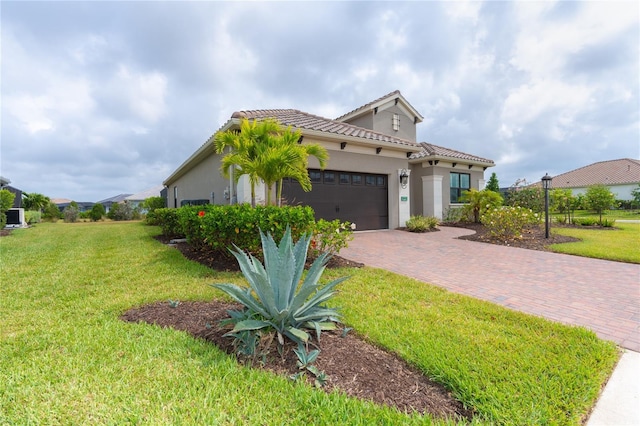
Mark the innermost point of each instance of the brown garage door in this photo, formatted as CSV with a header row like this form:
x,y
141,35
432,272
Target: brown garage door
x,y
359,198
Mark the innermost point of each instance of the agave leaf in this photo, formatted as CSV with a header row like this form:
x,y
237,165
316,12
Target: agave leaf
x,y
300,255
242,296
324,294
319,313
250,325
297,335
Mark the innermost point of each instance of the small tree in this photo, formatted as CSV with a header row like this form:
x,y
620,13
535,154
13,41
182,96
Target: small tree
x,y
492,183
35,201
478,202
6,201
153,203
71,212
530,197
563,201
599,198
635,203
96,213
120,211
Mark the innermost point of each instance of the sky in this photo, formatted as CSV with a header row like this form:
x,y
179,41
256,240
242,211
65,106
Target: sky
x,y
104,98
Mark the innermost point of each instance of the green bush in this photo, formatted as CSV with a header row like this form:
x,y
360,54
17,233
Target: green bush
x,y
31,216
507,223
167,220
421,223
219,227
585,221
529,198
330,237
120,211
478,202
96,213
455,215
153,203
52,213
6,201
280,297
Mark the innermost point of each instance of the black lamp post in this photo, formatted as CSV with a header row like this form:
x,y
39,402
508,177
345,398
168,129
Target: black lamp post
x,y
546,184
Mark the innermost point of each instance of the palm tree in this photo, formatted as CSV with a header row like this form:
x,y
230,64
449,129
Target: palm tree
x,y
35,201
264,150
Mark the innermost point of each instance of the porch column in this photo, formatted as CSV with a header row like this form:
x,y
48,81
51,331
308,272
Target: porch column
x,y
432,196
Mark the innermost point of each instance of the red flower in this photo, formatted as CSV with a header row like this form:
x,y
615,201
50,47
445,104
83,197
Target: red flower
x,y
201,213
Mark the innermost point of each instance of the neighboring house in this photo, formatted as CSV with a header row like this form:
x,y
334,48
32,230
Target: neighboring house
x,y
17,201
108,202
63,203
377,175
621,176
136,199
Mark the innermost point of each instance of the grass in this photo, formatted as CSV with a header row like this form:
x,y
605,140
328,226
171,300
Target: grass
x,y
66,358
621,243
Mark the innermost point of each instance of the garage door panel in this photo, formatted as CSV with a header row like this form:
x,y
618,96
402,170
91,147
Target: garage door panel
x,y
360,198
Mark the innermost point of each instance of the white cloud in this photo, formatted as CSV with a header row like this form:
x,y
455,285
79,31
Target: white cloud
x,y
145,92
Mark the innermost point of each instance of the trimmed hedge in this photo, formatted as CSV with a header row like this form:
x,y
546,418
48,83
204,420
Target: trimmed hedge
x,y
218,228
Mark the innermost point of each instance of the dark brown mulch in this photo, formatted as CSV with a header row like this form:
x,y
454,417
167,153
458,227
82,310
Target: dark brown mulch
x,y
532,239
352,365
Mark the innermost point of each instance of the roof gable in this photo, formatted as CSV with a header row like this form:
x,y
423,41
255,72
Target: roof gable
x,y
611,172
393,98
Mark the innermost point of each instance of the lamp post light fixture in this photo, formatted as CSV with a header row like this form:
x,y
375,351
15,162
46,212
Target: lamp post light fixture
x,y
546,184
404,178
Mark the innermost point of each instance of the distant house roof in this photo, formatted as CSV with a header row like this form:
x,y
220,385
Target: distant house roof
x,y
116,199
143,195
612,172
394,96
435,152
60,200
305,121
4,181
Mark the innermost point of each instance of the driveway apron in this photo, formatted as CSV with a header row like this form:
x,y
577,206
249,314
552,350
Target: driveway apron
x,y
601,295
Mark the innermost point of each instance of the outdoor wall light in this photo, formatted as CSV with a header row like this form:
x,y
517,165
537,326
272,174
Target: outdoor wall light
x,y
546,184
404,178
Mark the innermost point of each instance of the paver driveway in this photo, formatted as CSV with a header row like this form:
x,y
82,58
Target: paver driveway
x,y
601,295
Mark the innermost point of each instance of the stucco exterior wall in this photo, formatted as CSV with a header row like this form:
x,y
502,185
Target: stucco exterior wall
x,y
622,192
383,119
200,183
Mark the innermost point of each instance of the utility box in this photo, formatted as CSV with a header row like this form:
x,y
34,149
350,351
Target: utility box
x,y
15,218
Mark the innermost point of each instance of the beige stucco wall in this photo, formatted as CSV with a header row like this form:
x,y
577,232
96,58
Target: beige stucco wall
x,y
202,180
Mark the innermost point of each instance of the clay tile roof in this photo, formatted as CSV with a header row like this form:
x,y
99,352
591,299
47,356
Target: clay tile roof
x,y
366,107
305,121
612,172
438,152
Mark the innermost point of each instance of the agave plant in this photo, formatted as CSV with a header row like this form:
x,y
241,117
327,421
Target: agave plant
x,y
278,297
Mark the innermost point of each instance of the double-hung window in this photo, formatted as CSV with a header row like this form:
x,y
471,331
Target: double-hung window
x,y
458,183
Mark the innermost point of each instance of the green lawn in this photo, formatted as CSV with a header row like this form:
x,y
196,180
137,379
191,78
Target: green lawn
x,y
622,243
66,358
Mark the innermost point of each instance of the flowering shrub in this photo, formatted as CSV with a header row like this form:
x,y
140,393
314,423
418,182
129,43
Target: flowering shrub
x,y
509,222
330,237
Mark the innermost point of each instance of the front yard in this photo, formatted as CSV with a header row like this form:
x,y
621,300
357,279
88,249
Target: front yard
x,y
66,357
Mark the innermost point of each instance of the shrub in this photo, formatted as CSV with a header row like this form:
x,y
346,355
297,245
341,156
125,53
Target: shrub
x,y
31,216
52,213
153,203
6,201
96,213
220,227
279,299
120,211
478,202
508,223
168,221
529,198
455,215
71,213
330,237
421,223
585,221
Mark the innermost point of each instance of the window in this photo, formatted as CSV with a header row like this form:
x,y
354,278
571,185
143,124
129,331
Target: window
x,y
329,177
458,183
395,122
370,180
315,177
356,179
380,180
345,178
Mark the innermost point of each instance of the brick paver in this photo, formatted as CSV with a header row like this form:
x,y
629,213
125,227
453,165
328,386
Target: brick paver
x,y
601,295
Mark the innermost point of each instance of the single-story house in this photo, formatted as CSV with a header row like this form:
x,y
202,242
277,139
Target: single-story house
x,y
377,176
63,203
108,202
621,176
136,199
